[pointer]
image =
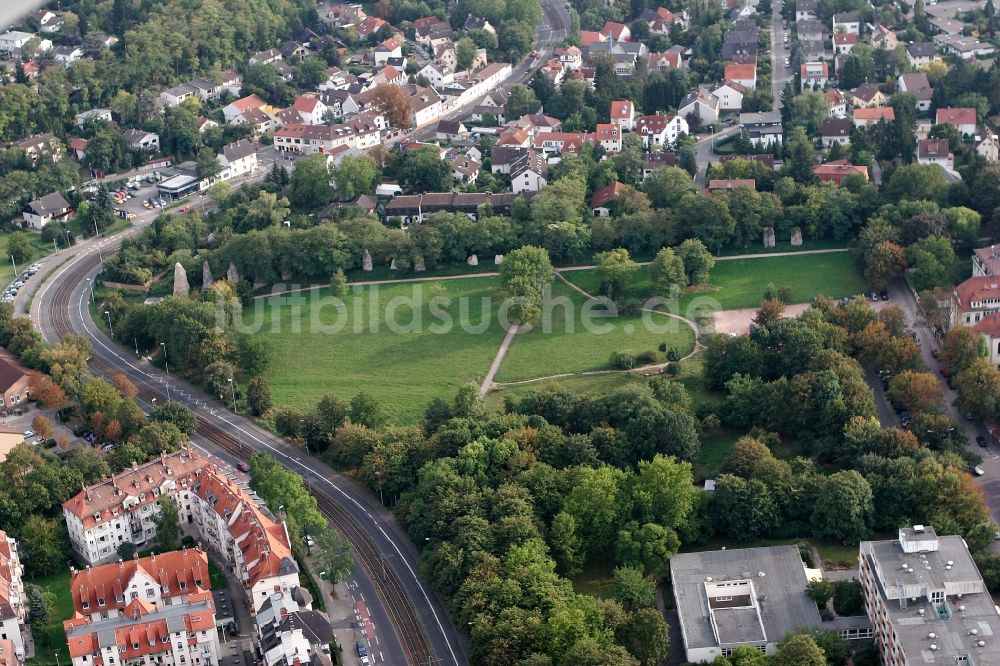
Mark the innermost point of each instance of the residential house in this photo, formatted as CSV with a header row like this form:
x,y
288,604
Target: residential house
x,y
699,108
15,383
51,207
78,148
12,41
838,103
927,600
437,75
40,145
917,85
93,115
67,55
976,298
450,130
921,54
311,109
560,143
664,60
177,94
743,73
653,162
849,22
368,26
345,16
238,158
416,208
812,49
570,57
204,124
843,42
988,147
292,49
48,22
313,139
13,602
836,130
536,123
528,172
763,129
390,48
964,119
142,140
884,38
444,54
730,95
609,137
265,57
716,185
864,117
661,20
814,75
935,151
464,168
235,112
741,43
618,32
554,70
476,23
966,48
661,130
867,96
805,9
809,30
426,104
623,114
600,202
838,171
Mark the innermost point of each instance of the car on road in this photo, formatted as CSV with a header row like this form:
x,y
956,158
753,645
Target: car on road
x,y
29,433
978,471
362,649
243,467
981,441
184,209
109,447
788,63
39,440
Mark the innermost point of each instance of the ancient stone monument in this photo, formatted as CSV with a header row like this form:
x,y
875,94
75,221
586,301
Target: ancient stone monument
x,y
418,265
392,264
796,236
366,261
768,237
206,276
473,260
497,260
232,274
181,286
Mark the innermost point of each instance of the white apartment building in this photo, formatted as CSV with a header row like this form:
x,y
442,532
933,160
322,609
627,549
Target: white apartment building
x,y
12,599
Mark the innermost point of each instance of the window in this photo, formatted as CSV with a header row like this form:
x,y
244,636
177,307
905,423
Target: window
x,y
101,602
86,605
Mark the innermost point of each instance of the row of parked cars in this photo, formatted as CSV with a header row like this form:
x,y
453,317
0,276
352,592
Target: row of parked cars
x,y
92,438
15,286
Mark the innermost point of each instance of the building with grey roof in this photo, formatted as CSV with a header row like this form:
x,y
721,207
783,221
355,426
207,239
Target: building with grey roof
x,y
927,600
744,596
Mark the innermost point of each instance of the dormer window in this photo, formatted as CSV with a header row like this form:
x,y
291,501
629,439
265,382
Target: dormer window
x,y
120,598
198,582
101,602
165,589
86,605
183,585
135,646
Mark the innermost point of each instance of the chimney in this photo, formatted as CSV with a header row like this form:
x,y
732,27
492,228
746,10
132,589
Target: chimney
x,y
135,466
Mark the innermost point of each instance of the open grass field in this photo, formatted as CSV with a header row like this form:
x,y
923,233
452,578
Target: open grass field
x,y
403,369
740,283
40,249
53,639
567,346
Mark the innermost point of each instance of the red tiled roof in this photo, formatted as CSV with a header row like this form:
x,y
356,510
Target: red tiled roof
x,y
606,194
845,38
839,168
621,109
877,113
249,102
613,29
978,289
956,116
305,104
731,183
988,325
744,71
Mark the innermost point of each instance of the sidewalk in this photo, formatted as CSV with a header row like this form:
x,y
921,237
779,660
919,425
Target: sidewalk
x,y
343,614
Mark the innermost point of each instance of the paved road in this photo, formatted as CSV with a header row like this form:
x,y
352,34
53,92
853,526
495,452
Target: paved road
x,y
779,73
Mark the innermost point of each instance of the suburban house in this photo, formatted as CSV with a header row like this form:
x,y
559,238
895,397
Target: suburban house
x,y
867,96
48,22
464,168
623,114
238,158
67,55
729,94
966,48
450,130
51,207
814,75
838,103
653,162
15,381
810,30
843,42
528,172
838,171
12,41
40,145
235,112
600,202
964,119
805,9
93,115
865,117
849,22
921,54
311,110
700,108
884,38
935,151
416,208
618,32
390,48
437,75
142,140
743,73
988,146
764,129
426,104
729,184
664,60
313,139
608,136
916,84
660,130
836,130
476,23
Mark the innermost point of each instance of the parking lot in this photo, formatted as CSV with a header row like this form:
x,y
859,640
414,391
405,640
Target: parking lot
x,y
14,287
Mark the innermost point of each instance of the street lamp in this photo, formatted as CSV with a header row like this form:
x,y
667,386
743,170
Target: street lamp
x,y
239,440
110,326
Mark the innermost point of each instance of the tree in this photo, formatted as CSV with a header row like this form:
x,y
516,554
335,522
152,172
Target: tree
x,y
424,171
916,182
884,263
646,636
632,588
334,555
310,186
366,411
524,273
520,101
19,247
933,260
799,157
915,391
843,507
799,650
465,53
254,355
207,165
168,527
743,508
810,108
42,426
394,103
40,606
960,348
667,273
978,387
259,396
698,261
707,219
615,268
565,544
355,175
45,543
126,550
177,414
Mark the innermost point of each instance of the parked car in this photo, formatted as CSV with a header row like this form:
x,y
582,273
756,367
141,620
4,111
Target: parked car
x,y
362,649
107,448
981,441
884,295
29,433
978,471
39,440
243,467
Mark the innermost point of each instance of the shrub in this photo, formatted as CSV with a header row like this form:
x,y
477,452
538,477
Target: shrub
x,y
646,358
663,346
631,307
672,369
847,598
622,360
673,354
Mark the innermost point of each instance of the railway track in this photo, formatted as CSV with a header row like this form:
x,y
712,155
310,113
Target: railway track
x,y
394,599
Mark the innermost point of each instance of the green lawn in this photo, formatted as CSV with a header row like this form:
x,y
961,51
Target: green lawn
x,y
715,447
740,283
596,579
402,369
581,384
563,343
40,249
53,639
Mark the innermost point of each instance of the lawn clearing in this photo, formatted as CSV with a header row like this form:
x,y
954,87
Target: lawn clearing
x,y
562,344
53,639
579,384
597,579
741,283
715,448
402,369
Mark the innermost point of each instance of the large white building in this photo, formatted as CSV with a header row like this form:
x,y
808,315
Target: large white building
x,y
154,610
12,599
927,601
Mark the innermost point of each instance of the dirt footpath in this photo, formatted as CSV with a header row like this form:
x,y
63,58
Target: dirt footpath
x,y
737,322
